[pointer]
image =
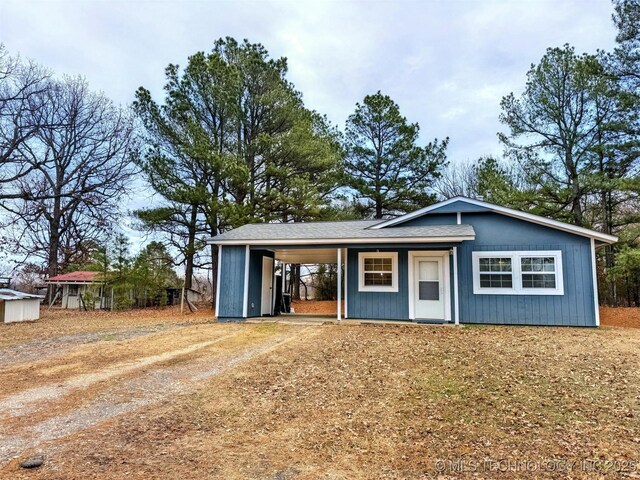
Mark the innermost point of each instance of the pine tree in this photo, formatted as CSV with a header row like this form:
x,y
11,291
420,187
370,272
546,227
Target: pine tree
x,y
389,173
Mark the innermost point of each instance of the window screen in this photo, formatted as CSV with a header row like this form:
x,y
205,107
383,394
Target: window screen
x,y
538,272
496,272
378,271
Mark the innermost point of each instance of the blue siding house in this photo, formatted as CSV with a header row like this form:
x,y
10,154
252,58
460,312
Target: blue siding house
x,y
462,261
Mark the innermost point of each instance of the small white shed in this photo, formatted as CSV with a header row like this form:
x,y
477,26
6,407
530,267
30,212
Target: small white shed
x,y
18,306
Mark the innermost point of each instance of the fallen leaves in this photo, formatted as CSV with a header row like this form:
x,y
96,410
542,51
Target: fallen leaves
x,y
379,401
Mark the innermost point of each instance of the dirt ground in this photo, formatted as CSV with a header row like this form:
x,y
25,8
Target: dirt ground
x,y
170,396
615,317
322,307
620,317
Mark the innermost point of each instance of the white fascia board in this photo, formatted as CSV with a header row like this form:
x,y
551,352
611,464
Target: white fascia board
x,y
530,217
334,241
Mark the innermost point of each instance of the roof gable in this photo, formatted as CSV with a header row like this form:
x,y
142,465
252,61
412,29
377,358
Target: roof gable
x,y
464,204
459,206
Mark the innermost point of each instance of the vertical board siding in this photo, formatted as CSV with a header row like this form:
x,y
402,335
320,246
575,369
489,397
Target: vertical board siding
x,y
385,305
431,219
232,281
378,305
255,281
495,232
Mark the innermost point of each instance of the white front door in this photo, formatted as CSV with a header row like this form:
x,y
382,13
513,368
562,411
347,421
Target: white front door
x,y
428,288
267,286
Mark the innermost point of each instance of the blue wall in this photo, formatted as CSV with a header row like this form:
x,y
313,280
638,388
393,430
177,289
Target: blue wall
x,y
384,305
500,233
231,282
431,219
459,206
255,281
378,305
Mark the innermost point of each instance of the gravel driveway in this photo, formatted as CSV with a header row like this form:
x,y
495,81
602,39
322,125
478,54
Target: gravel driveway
x,y
51,410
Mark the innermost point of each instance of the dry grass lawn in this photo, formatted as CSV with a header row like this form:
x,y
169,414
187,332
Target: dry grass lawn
x,y
207,400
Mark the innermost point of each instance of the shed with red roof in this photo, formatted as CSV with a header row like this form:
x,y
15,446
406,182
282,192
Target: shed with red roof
x,y
79,288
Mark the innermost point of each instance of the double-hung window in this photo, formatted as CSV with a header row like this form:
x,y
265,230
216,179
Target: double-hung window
x,y
518,273
378,271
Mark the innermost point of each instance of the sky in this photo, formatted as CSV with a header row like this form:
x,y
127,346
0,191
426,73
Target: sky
x,y
446,63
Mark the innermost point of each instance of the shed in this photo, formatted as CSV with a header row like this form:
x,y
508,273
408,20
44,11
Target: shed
x,y
76,285
19,306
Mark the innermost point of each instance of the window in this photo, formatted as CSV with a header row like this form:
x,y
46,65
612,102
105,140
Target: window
x,y
73,290
538,272
518,273
496,272
378,271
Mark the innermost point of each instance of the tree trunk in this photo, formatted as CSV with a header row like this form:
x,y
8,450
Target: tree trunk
x,y
191,248
52,260
378,208
295,281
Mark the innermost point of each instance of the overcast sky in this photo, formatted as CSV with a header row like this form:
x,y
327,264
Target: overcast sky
x,y
446,63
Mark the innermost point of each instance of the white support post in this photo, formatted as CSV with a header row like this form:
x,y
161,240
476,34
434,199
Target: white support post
x,y
594,273
245,301
456,303
458,218
339,284
283,274
218,280
273,288
346,282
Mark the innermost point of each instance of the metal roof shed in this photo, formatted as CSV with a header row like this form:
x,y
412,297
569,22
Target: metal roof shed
x,y
18,306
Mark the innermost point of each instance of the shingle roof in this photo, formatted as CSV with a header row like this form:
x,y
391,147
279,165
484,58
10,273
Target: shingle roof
x,y
79,277
8,294
328,231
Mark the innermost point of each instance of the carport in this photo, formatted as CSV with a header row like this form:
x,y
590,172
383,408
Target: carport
x,y
312,257
256,267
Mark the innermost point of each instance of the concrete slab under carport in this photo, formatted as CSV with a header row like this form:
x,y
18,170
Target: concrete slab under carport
x,y
314,319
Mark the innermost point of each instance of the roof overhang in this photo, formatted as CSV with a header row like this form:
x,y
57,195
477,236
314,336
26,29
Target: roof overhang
x,y
341,241
72,282
585,232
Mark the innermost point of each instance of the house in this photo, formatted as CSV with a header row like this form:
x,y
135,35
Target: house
x,y
75,287
18,306
462,261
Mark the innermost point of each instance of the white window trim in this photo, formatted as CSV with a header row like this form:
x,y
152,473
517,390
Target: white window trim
x,y
517,288
378,288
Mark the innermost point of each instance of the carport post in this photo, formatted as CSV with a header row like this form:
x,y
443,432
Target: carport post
x,y
218,276
339,284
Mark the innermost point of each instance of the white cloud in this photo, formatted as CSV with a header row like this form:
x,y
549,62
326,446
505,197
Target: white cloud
x,y
446,63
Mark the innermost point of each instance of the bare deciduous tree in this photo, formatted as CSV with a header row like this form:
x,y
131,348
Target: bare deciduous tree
x,y
21,87
458,179
76,167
